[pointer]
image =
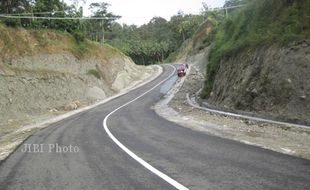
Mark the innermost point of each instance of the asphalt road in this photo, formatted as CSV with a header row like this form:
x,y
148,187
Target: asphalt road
x,y
192,159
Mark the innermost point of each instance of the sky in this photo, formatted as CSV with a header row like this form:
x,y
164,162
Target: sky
x,y
140,12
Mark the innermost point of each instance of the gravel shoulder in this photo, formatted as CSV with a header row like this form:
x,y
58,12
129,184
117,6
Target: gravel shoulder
x,y
174,107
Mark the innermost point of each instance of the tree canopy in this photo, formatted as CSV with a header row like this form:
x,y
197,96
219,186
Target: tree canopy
x,y
92,29
156,40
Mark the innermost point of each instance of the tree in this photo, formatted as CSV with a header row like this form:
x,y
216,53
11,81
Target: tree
x,y
98,27
48,6
184,26
14,6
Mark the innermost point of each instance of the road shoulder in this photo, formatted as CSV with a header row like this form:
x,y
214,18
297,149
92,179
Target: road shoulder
x,y
9,142
174,107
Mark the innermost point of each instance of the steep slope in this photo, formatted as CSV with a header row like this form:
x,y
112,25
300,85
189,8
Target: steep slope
x,y
202,38
270,80
259,60
43,72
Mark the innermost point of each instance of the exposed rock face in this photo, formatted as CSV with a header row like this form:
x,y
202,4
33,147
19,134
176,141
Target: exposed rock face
x,y
72,105
95,93
272,81
33,85
44,73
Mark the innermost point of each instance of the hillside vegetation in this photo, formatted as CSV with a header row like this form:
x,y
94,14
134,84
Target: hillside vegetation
x,y
20,41
259,23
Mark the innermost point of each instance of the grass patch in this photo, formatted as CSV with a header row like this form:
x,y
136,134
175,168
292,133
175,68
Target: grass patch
x,y
172,57
19,42
39,35
111,51
80,49
6,39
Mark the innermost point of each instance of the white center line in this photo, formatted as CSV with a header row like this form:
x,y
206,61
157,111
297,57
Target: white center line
x,y
133,155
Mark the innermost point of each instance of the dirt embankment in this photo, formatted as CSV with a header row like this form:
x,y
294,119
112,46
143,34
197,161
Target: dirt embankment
x,y
270,81
45,73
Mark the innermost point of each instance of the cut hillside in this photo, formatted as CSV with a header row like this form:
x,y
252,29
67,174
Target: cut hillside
x,y
259,61
45,73
202,38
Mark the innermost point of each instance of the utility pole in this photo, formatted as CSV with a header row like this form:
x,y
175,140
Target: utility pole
x,y
63,5
226,10
102,26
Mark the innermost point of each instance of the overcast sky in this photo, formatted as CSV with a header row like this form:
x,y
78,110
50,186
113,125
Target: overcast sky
x,y
139,12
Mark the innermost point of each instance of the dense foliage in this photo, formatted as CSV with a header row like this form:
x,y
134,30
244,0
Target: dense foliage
x,y
153,42
259,23
93,29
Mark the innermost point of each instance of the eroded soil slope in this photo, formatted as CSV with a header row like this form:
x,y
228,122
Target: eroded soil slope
x,y
47,72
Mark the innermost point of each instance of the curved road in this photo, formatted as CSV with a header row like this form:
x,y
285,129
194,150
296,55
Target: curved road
x,y
168,151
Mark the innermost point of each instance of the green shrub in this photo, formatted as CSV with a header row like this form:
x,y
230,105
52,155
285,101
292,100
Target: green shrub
x,y
95,73
78,36
171,58
12,22
79,49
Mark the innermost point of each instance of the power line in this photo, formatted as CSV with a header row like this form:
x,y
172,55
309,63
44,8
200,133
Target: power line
x,y
22,15
225,8
35,13
56,18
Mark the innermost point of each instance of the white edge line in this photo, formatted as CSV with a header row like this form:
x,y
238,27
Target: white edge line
x,y
71,113
133,155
